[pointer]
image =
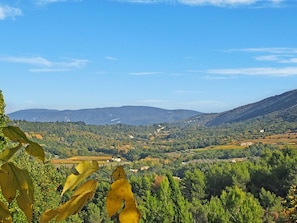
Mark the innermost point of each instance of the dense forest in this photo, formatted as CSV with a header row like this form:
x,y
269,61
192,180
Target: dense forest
x,y
241,172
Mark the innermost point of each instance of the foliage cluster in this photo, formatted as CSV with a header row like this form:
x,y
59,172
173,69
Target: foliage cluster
x,y
17,201
16,185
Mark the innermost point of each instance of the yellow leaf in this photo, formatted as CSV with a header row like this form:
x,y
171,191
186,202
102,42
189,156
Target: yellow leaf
x,y
120,191
34,149
5,216
74,205
9,152
7,183
90,185
13,179
81,196
84,169
48,215
15,134
119,195
130,214
119,173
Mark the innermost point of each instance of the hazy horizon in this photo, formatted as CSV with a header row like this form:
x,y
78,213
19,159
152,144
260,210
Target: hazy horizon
x,y
206,56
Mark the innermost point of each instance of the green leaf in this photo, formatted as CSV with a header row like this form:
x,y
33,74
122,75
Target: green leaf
x,y
14,133
34,149
5,215
84,169
9,152
14,179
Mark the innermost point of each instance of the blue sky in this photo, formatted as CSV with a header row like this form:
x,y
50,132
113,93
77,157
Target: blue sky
x,y
204,55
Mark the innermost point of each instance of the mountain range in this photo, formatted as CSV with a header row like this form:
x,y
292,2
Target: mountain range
x,y
283,106
130,115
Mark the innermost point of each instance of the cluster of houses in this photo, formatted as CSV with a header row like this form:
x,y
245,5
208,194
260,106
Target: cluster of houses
x,y
118,159
246,144
143,168
114,159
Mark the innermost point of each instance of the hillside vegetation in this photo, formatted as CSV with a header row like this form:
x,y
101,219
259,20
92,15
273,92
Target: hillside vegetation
x,y
137,142
237,172
278,106
203,174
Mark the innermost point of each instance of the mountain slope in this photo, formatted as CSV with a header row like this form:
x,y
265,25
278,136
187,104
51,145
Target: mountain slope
x,y
280,104
131,115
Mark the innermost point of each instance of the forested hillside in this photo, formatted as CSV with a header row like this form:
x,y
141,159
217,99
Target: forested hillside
x,y
241,172
272,106
135,142
258,187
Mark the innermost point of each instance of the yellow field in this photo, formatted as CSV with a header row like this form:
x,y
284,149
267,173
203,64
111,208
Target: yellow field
x,y
287,138
277,139
77,159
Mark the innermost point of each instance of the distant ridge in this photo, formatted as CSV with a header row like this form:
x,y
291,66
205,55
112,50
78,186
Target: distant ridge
x,y
130,115
280,106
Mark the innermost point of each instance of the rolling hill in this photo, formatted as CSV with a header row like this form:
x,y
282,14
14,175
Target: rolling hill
x,y
279,106
130,115
282,106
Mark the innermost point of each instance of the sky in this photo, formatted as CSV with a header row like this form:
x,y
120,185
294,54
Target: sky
x,y
202,55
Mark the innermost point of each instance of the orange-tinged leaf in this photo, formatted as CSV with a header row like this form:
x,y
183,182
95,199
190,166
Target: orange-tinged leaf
x,y
84,169
14,133
14,179
34,149
9,152
120,191
119,173
130,214
5,215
